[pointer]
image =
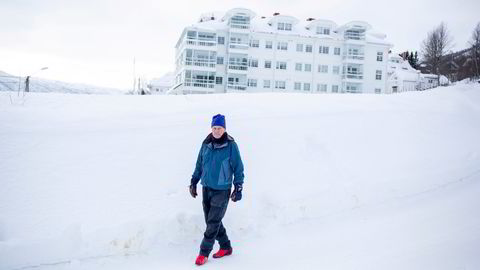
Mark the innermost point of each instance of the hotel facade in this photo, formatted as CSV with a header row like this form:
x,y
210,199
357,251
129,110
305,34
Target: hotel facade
x,y
241,52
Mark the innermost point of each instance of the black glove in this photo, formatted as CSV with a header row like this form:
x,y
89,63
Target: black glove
x,y
193,187
193,190
237,193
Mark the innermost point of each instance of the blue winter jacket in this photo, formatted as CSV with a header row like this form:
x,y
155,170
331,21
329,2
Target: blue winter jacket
x,y
216,164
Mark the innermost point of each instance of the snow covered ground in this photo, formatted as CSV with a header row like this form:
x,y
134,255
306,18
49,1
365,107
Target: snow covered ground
x,y
331,181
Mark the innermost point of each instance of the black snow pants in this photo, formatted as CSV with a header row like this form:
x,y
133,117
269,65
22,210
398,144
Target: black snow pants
x,y
215,204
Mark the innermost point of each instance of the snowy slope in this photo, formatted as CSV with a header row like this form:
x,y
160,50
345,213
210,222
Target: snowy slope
x,y
14,83
332,181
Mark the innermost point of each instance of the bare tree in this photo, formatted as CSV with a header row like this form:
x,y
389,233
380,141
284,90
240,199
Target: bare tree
x,y
435,46
475,49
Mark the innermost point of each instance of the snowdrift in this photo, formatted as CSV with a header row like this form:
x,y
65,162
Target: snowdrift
x,y
331,181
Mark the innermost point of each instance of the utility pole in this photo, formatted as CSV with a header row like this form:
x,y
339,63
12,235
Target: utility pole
x,y
134,75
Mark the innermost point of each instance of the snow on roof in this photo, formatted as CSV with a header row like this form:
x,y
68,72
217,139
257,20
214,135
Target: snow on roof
x,y
234,11
283,18
166,80
318,22
401,69
355,24
264,24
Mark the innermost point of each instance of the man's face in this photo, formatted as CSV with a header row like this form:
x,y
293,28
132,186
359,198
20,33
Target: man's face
x,y
217,131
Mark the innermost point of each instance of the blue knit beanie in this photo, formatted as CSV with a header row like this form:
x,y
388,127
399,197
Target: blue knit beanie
x,y
219,120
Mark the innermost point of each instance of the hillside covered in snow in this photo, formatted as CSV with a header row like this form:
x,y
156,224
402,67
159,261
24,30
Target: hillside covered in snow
x,y
331,181
12,83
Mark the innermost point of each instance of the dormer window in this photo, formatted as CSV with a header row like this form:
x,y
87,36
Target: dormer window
x,y
284,26
322,30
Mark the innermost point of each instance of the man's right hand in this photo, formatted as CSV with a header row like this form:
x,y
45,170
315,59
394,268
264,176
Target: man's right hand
x,y
193,190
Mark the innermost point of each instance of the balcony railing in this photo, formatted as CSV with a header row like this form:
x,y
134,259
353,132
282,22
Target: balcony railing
x,y
237,66
239,25
359,56
241,46
354,35
241,87
200,83
353,75
200,62
207,43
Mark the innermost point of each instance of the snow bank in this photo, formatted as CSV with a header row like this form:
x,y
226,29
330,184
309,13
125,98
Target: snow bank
x,y
87,177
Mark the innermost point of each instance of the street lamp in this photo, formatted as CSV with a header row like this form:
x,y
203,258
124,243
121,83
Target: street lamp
x,y
27,79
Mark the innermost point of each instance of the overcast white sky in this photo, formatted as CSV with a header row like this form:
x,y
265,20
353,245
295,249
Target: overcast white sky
x,y
95,41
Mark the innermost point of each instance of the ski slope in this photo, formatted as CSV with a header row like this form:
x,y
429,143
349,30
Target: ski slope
x,y
331,181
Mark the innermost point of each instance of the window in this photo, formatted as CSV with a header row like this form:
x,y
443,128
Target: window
x,y
323,68
268,64
219,80
221,40
268,44
299,47
284,26
336,51
323,49
306,87
379,56
336,69
308,48
298,66
297,86
252,82
321,87
334,88
378,75
266,83
322,30
308,67
378,90
220,60
254,43
253,63
280,84
191,35
282,65
282,46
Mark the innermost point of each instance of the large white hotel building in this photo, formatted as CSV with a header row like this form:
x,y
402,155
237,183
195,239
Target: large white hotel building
x,y
241,52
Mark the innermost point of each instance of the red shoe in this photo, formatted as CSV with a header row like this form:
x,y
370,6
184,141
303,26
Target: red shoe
x,y
222,252
201,260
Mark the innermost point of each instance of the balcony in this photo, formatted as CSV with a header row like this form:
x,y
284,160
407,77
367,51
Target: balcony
x,y
200,62
239,23
241,26
203,43
353,75
238,66
241,87
199,83
355,35
359,56
239,46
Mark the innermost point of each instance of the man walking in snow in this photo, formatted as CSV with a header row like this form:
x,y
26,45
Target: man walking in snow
x,y
218,160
